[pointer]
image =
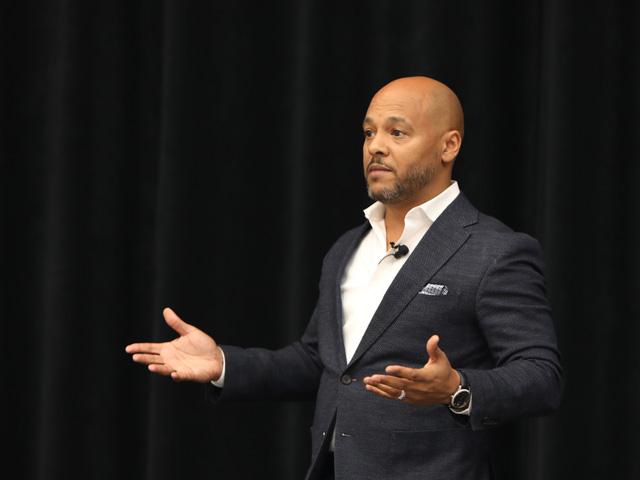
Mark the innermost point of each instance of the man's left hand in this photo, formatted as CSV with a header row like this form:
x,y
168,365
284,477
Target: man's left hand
x,y
430,385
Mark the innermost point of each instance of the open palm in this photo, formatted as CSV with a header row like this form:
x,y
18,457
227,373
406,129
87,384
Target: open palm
x,y
193,356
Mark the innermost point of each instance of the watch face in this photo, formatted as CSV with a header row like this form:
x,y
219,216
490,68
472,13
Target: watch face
x,y
461,398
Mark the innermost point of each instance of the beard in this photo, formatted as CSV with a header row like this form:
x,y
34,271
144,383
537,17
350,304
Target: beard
x,y
416,178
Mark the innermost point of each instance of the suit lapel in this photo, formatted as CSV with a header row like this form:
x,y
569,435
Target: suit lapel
x,y
352,244
442,240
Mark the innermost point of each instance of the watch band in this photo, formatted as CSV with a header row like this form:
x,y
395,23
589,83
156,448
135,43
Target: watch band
x,y
463,379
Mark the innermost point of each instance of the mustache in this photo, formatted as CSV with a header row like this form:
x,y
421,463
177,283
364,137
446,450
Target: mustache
x,y
378,161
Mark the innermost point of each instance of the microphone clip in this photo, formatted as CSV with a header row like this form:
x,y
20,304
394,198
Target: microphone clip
x,y
399,251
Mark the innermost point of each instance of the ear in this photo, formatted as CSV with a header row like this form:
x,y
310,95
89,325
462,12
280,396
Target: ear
x,y
451,143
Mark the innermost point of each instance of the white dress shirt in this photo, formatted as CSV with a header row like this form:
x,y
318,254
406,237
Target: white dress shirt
x,y
367,278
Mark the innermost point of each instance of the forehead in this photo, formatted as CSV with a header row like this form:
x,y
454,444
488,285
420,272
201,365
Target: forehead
x,y
398,104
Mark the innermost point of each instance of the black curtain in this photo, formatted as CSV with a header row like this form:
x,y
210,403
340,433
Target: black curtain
x,y
205,155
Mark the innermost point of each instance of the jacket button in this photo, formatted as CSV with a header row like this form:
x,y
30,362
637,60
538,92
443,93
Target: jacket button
x,y
346,379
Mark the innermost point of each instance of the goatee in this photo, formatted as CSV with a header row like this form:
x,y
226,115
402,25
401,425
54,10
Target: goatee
x,y
415,180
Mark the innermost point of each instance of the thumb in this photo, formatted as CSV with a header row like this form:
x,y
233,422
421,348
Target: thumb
x,y
433,349
175,322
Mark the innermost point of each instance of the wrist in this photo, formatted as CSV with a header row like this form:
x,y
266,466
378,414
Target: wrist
x,y
453,383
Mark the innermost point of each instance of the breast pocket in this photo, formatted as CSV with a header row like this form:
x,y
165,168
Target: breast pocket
x,y
424,306
436,300
429,314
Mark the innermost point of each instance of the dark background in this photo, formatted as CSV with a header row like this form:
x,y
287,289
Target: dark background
x,y
205,155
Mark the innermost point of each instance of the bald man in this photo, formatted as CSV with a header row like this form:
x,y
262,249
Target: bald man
x,y
432,327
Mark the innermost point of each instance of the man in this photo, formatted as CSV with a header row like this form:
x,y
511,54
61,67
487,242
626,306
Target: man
x,y
426,267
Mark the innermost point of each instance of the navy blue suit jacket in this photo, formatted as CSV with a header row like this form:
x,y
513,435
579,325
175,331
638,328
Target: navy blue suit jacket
x,y
494,324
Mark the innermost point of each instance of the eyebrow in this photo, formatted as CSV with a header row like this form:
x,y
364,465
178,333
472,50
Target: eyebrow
x,y
388,120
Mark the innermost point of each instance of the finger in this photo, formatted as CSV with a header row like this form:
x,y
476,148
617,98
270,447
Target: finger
x,y
175,322
160,369
143,348
147,359
387,381
393,392
412,374
433,349
380,392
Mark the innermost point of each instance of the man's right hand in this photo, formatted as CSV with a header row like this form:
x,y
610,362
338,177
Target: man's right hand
x,y
193,356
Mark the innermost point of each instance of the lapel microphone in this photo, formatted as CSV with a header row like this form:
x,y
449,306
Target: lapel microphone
x,y
399,251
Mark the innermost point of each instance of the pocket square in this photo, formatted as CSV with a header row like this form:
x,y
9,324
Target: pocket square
x,y
434,289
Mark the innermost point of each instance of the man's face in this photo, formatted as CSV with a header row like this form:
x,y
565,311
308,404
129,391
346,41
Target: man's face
x,y
400,151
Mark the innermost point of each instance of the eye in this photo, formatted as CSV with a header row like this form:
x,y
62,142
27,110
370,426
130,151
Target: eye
x,y
397,133
368,133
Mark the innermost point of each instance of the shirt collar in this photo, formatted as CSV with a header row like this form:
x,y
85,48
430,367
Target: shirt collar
x,y
418,217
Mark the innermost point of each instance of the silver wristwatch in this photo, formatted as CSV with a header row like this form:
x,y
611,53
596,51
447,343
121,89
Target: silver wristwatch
x,y
461,398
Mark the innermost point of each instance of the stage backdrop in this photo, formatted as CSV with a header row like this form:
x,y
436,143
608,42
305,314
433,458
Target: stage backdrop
x,y
205,155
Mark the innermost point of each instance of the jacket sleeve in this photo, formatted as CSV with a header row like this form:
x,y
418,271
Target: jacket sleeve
x,y
515,317
290,373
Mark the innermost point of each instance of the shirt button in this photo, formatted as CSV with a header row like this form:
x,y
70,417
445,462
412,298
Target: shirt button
x,y
346,379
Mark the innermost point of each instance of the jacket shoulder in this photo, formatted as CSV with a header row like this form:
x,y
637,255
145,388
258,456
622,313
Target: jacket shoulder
x,y
498,238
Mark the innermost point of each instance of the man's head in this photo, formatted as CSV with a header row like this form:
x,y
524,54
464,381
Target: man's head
x,y
413,131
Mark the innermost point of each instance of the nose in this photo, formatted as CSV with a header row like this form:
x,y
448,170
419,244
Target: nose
x,y
377,145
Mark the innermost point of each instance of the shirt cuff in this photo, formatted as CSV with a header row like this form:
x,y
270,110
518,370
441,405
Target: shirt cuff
x,y
220,381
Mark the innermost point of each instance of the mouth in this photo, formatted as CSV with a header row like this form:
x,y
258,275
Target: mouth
x,y
377,169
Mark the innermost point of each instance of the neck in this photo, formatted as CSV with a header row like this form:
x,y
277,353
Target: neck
x,y
395,213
